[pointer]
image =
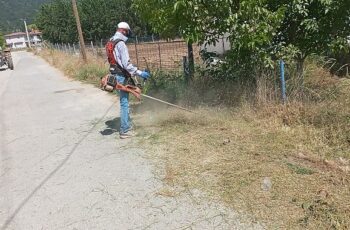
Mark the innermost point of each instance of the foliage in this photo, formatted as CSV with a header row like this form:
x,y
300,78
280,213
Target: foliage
x,y
193,19
2,40
251,31
12,11
259,31
57,22
33,27
313,27
98,18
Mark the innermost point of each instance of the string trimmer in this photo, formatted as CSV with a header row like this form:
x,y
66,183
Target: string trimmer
x,y
109,83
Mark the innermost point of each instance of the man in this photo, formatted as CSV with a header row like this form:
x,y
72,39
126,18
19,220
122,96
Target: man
x,y
121,55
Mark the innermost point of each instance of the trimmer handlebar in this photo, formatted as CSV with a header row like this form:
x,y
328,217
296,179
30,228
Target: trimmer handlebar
x,y
108,83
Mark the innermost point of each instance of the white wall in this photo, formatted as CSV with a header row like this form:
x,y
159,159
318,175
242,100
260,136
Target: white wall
x,y
220,47
16,42
19,42
35,39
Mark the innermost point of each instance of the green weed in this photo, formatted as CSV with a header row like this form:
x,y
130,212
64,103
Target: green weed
x,y
300,169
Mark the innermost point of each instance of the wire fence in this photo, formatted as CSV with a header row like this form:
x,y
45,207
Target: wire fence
x,y
145,52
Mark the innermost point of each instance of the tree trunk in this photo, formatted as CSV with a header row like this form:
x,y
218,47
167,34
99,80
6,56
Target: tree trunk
x,y
190,59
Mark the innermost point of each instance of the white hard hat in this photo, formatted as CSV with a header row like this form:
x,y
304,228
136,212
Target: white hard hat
x,y
124,25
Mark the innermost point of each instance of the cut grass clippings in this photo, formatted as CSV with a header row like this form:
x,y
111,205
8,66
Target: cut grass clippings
x,y
228,155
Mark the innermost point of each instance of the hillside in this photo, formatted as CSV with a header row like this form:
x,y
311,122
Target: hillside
x,y
11,13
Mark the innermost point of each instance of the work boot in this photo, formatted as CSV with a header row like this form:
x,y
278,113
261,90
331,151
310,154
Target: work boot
x,y
127,134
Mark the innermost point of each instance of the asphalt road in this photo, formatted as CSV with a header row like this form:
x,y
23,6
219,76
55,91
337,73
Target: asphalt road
x,y
62,165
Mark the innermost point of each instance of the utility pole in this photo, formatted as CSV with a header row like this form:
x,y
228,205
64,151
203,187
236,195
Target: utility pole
x,y
25,26
80,32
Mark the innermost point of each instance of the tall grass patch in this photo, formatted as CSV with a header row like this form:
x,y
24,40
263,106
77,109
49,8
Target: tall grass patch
x,y
72,66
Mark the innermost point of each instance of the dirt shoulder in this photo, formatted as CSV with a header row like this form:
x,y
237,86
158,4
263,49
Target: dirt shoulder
x,y
285,176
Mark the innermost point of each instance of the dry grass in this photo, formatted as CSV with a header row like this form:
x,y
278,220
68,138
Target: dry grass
x,y
303,148
72,66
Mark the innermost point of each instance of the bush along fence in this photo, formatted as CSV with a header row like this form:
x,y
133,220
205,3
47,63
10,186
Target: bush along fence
x,y
173,56
146,52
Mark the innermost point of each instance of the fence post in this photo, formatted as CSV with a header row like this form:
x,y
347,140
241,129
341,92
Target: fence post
x,y
69,48
101,43
283,82
137,54
160,56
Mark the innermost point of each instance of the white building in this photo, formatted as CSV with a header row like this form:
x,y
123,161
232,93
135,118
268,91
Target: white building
x,y
19,40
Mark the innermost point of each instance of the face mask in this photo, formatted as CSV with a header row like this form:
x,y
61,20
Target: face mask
x,y
129,34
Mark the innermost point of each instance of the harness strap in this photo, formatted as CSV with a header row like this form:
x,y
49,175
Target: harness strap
x,y
114,65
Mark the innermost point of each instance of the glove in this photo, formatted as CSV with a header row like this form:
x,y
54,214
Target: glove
x,y
145,75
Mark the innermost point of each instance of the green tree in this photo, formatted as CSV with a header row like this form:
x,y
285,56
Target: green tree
x,y
249,24
259,30
2,40
33,27
99,19
311,27
195,20
57,22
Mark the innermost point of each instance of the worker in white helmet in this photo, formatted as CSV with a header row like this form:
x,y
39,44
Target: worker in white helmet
x,y
121,55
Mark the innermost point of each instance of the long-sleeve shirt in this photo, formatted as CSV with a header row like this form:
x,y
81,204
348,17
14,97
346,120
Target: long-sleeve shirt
x,y
121,54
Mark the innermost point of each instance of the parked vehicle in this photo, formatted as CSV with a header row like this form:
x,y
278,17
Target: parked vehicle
x,y
6,59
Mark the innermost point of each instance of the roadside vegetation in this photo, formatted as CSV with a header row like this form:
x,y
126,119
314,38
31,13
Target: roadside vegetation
x,y
73,67
2,40
98,18
287,165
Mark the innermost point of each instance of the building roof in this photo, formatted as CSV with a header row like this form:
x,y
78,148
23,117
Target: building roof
x,y
15,34
36,32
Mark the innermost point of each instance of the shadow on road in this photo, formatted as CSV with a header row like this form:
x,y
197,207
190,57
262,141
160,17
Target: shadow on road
x,y
112,127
